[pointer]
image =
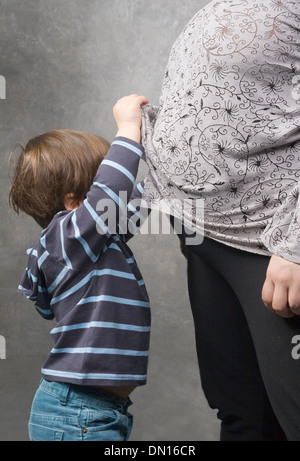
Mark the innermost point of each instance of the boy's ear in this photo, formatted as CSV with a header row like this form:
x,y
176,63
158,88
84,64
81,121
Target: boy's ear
x,y
71,203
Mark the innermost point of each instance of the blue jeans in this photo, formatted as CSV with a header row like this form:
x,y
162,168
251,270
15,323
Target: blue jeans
x,y
66,412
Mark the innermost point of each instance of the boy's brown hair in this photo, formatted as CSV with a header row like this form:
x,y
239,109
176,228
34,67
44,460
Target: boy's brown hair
x,y
51,166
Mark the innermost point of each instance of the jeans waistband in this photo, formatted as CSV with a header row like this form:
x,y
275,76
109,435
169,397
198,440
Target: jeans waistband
x,y
99,399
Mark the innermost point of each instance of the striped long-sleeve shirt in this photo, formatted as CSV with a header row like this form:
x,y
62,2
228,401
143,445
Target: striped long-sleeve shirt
x,y
82,273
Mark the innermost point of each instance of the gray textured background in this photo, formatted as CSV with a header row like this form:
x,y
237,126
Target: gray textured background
x,y
66,62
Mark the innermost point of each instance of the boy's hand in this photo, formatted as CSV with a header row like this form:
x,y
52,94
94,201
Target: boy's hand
x,y
128,116
281,291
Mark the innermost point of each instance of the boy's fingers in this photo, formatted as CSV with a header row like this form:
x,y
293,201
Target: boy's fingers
x,y
131,100
143,100
139,98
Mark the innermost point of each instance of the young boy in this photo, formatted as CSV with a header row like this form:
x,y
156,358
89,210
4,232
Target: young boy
x,y
85,276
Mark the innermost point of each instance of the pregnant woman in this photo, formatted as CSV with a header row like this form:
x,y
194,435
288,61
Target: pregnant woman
x,y
227,134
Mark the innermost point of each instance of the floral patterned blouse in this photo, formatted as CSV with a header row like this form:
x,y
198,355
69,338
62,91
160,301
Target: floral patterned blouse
x,y
227,128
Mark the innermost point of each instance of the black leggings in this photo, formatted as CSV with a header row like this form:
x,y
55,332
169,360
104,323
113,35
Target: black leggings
x,y
248,371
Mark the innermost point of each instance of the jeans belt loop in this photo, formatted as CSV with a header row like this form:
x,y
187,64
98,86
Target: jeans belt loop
x,y
64,394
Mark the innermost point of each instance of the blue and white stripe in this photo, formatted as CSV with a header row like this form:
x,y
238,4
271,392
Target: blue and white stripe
x,y
94,324
99,350
129,146
87,279
93,376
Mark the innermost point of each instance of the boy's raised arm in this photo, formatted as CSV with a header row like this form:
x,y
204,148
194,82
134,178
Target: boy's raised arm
x,y
98,217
